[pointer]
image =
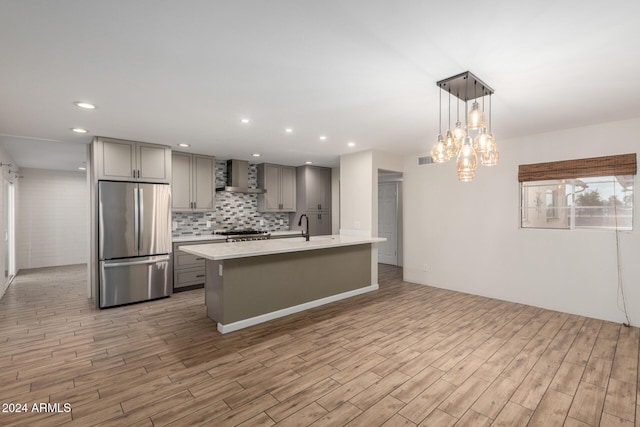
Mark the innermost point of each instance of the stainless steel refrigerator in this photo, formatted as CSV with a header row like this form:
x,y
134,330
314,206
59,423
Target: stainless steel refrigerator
x,y
134,235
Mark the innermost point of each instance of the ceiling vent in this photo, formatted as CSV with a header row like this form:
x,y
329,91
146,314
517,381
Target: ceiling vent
x,y
424,160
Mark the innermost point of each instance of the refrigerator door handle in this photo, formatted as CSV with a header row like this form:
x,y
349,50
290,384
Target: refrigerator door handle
x,y
146,261
141,220
136,219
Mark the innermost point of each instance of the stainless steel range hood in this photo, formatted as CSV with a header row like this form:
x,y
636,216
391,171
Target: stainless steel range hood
x,y
238,178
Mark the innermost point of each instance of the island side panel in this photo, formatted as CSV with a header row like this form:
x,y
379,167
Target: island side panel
x,y
213,289
264,284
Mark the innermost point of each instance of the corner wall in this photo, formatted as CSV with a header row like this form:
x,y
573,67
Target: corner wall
x,y
6,159
468,234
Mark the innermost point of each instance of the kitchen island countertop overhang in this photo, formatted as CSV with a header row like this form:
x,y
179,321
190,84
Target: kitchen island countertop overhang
x,y
247,283
268,247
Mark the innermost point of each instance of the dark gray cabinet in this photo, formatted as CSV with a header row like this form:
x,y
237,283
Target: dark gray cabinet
x,y
313,197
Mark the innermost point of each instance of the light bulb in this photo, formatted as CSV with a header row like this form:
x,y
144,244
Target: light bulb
x,y
450,143
467,161
490,156
481,140
475,118
439,152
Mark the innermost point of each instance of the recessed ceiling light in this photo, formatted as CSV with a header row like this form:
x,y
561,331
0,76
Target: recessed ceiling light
x,y
323,138
79,130
82,168
85,105
256,154
288,130
351,144
308,162
183,145
245,120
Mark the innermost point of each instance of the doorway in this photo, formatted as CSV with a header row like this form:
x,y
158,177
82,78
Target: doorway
x,y
8,260
390,217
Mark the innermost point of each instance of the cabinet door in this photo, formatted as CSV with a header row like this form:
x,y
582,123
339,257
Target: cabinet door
x,y
181,181
272,185
318,183
204,177
288,188
154,162
116,159
319,224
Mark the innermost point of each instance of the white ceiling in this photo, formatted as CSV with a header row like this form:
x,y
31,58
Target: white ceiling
x,y
355,70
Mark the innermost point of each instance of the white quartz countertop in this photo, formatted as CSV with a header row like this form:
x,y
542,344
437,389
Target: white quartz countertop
x,y
221,251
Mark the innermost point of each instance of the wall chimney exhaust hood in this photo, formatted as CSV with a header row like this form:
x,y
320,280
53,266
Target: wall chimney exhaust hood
x,y
238,178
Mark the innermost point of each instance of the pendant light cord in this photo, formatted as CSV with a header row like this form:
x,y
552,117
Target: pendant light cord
x,y
449,108
440,113
621,295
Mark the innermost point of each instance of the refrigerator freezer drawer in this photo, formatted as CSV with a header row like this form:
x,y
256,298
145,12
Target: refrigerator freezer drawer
x,y
130,280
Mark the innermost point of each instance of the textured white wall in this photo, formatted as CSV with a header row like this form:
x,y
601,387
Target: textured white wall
x,y
468,233
52,225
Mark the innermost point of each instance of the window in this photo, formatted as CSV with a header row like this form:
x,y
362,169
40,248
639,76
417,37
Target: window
x,y
598,202
583,193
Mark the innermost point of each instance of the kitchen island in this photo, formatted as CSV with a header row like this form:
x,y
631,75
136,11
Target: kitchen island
x,y
247,283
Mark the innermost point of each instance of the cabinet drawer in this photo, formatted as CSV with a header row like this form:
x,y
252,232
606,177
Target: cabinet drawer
x,y
183,259
189,277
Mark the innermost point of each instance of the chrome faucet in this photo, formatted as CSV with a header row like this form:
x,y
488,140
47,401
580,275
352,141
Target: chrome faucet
x,y
306,235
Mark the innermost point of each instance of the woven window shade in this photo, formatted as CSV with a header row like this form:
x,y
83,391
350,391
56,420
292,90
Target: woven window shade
x,y
623,164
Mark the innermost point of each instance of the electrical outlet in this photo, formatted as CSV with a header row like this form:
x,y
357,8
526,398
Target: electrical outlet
x,y
282,222
208,224
356,225
174,225
425,267
262,223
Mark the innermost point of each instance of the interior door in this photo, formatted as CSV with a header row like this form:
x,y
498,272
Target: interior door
x,y
388,222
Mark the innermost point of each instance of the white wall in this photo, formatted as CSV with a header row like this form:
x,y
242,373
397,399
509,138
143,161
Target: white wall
x,y
468,233
359,195
5,158
52,225
335,200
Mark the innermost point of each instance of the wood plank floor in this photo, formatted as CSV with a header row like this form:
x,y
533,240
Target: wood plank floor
x,y
402,356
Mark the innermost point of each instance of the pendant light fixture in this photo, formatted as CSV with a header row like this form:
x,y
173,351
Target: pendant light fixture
x,y
459,141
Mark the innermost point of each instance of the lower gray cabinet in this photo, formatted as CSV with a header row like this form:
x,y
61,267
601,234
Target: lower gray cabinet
x,y
188,269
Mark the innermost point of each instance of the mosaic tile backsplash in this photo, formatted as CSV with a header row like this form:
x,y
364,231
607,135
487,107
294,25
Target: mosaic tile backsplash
x,y
233,210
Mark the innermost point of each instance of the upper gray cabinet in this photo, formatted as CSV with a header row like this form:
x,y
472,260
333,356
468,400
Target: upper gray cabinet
x,y
121,160
314,189
280,183
193,182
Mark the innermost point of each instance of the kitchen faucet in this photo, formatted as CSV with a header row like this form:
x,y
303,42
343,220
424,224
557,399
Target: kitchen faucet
x,y
306,235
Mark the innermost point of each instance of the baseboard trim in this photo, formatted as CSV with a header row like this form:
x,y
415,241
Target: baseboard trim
x,y
241,324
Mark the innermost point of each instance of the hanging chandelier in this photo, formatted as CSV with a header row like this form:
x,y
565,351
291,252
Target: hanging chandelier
x,y
474,139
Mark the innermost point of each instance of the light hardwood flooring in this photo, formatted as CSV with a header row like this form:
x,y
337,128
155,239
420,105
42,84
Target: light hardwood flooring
x,y
402,356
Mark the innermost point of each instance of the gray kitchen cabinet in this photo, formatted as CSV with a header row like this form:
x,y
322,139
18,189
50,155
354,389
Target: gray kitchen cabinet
x,y
188,269
193,182
280,183
121,160
319,223
313,197
314,188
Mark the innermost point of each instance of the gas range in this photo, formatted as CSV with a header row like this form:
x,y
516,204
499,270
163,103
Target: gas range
x,y
244,235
